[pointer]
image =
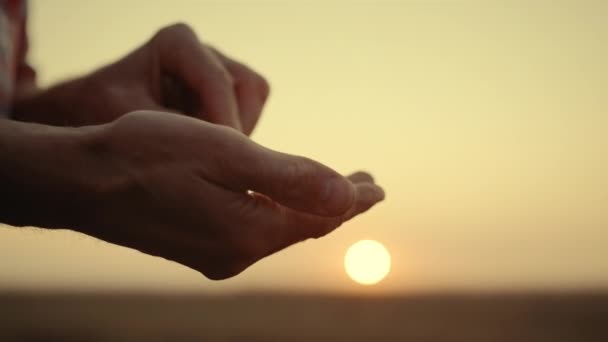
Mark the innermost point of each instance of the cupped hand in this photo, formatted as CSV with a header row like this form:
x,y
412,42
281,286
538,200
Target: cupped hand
x,y
174,71
208,197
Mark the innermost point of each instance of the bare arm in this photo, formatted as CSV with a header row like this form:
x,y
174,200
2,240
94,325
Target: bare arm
x,y
42,174
200,194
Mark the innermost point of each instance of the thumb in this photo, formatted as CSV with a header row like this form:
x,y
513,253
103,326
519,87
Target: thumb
x,y
293,181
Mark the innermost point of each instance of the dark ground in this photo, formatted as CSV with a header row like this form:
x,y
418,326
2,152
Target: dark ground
x,y
281,317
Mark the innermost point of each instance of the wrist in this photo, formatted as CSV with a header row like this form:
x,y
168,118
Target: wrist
x,y
46,174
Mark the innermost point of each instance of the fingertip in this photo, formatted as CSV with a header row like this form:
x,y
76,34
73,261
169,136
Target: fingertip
x,y
368,195
361,177
371,192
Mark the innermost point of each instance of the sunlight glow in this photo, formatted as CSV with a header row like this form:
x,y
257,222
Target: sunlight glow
x,y
367,262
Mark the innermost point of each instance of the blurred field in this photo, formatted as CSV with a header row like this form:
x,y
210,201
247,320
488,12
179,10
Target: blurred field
x,y
282,317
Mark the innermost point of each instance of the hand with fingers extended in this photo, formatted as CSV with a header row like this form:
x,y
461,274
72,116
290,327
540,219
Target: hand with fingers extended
x,y
173,72
207,196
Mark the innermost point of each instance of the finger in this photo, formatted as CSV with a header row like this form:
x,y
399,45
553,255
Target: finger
x,y
285,227
361,177
182,55
367,196
178,96
251,89
296,182
264,227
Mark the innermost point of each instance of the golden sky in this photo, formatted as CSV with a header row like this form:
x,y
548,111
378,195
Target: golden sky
x,y
486,123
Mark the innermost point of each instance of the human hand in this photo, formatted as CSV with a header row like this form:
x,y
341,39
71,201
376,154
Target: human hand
x,y
208,197
173,71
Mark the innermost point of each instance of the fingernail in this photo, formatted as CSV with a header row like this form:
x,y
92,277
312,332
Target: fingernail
x,y
337,197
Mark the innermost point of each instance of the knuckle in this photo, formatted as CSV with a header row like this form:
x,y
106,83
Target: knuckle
x,y
223,77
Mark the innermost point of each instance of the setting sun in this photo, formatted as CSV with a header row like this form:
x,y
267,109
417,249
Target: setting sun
x,y
367,262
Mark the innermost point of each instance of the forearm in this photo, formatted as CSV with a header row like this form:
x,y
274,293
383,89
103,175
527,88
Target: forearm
x,y
42,174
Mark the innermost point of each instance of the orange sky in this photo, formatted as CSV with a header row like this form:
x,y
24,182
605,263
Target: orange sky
x,y
486,124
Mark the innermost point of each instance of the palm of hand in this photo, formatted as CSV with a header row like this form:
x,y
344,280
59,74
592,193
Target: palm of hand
x,y
171,193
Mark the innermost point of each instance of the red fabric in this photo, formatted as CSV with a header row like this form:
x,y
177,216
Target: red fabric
x,y
14,70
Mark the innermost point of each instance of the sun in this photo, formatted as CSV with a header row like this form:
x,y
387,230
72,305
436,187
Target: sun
x,y
367,262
